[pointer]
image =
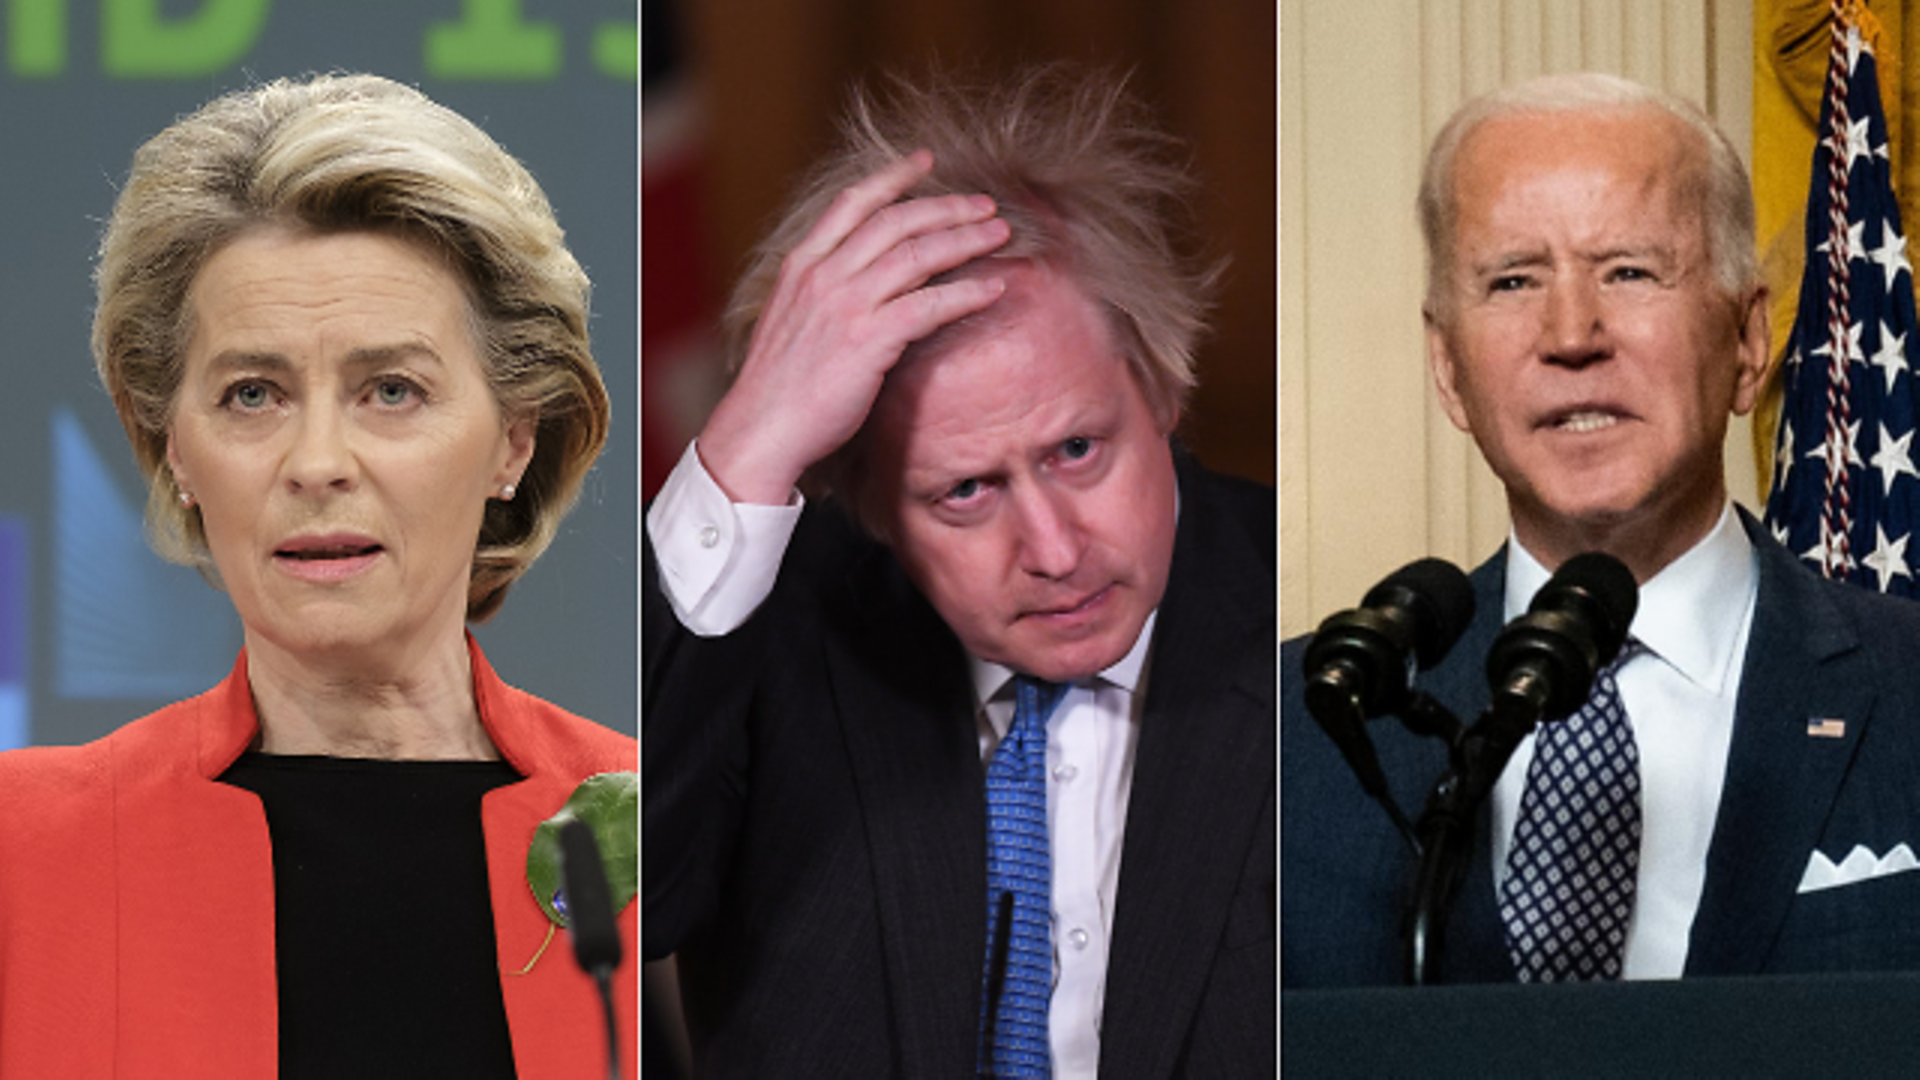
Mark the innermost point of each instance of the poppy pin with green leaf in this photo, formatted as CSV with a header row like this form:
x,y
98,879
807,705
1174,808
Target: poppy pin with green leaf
x,y
610,805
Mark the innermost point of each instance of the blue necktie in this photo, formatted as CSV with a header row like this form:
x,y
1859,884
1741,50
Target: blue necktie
x,y
1571,872
1014,1038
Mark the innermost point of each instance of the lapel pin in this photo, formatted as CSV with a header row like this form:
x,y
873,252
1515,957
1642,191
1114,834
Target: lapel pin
x,y
1826,728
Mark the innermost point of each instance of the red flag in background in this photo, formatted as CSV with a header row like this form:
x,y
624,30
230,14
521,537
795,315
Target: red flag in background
x,y
680,364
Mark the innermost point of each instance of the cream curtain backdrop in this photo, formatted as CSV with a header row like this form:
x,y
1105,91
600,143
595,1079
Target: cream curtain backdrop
x,y
1372,475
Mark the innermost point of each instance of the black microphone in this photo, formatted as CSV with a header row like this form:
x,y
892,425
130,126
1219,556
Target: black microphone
x,y
1540,667
1361,662
1364,658
596,940
1543,664
996,980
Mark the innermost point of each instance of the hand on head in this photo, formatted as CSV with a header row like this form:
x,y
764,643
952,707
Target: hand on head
x,y
847,303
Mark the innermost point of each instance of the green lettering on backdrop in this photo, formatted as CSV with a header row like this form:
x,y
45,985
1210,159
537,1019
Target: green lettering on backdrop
x,y
137,42
492,41
37,37
616,50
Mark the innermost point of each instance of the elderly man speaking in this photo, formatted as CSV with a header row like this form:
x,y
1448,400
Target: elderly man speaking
x,y
974,772
1594,316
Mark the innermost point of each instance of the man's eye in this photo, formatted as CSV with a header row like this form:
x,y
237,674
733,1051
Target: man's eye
x,y
964,490
1507,283
1076,448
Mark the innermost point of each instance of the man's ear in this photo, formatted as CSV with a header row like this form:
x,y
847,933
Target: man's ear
x,y
1440,362
1755,351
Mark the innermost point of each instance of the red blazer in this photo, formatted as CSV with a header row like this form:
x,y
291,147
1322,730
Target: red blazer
x,y
136,897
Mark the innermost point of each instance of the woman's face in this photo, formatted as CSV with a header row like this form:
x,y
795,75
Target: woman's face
x,y
336,430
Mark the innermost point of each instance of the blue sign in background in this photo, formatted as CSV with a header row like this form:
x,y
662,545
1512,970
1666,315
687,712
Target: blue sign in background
x,y
94,628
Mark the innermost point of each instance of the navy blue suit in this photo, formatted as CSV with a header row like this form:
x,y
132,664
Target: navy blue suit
x,y
815,818
1817,651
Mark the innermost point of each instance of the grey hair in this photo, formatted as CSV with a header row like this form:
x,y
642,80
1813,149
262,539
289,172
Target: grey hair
x,y
1726,196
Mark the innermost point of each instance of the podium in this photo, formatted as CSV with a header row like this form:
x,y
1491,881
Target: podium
x,y
1800,1025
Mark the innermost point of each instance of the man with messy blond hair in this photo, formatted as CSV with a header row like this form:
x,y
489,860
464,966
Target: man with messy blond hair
x,y
973,332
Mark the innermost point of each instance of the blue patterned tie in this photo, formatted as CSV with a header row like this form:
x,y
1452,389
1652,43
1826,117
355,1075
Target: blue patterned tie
x,y
1014,1039
1568,895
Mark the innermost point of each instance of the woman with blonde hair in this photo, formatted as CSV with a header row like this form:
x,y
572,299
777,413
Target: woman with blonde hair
x,y
349,347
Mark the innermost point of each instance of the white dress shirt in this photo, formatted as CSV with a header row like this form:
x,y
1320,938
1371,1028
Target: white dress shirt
x,y
718,561
717,558
1694,618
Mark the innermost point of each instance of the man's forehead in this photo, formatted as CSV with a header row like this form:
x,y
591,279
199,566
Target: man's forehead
x,y
1022,279
1583,165
1637,139
1047,342
1649,120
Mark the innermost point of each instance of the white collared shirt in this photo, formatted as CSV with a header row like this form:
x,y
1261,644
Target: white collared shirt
x,y
718,561
1694,619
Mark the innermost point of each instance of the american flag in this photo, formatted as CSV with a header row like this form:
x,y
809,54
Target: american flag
x,y
1846,494
1818,727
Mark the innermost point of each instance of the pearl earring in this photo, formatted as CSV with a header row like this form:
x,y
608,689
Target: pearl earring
x,y
506,492
186,500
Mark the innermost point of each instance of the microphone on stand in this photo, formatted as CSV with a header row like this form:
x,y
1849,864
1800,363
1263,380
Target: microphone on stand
x,y
1542,666
996,981
596,940
1361,662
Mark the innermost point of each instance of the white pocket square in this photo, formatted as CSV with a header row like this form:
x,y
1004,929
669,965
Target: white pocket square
x,y
1860,865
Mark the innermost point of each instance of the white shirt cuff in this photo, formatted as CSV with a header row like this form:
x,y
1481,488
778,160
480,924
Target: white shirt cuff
x,y
717,559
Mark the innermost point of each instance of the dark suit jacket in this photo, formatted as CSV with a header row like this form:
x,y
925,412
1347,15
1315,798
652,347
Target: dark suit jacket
x,y
1817,650
816,827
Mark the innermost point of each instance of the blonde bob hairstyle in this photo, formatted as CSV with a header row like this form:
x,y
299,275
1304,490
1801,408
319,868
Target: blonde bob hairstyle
x,y
1088,184
353,153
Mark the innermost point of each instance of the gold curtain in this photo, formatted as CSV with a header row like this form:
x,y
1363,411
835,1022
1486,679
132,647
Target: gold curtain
x,y
1791,43
773,75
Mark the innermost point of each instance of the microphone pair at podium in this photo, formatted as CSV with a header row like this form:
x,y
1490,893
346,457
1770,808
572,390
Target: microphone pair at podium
x,y
1361,663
